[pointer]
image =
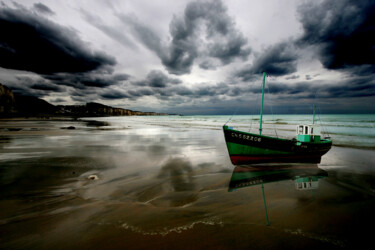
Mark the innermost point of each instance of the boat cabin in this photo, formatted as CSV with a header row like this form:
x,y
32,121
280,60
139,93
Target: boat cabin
x,y
308,133
307,183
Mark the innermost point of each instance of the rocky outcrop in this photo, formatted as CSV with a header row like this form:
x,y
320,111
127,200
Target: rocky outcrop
x,y
97,109
7,100
33,106
17,105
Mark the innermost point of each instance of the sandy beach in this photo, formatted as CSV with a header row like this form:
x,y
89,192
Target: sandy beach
x,y
152,184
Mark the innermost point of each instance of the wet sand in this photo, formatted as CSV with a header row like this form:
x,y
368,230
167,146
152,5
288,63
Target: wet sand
x,y
163,187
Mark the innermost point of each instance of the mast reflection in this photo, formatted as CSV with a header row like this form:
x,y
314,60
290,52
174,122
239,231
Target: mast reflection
x,y
306,177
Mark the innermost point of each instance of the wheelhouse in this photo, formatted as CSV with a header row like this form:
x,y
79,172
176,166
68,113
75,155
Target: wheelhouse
x,y
308,133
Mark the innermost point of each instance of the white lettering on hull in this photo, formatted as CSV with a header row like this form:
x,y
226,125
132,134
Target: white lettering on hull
x,y
246,137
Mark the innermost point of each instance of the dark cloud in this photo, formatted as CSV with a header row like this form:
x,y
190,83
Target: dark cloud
x,y
202,90
114,94
204,30
84,80
27,91
182,91
277,60
41,8
37,83
308,77
155,84
141,92
34,86
292,77
58,100
63,62
33,43
352,87
344,33
85,95
358,87
157,79
47,87
208,64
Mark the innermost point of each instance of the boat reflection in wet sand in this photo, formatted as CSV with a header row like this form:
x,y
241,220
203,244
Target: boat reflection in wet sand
x,y
306,177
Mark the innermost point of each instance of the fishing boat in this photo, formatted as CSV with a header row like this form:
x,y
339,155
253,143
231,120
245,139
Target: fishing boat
x,y
249,148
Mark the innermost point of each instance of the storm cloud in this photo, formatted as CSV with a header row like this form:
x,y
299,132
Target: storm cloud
x,y
205,30
114,94
83,80
277,60
157,79
344,33
33,43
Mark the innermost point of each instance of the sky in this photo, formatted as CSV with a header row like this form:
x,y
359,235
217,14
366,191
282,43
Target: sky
x,y
192,57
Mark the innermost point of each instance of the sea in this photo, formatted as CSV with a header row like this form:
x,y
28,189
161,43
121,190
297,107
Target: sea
x,y
353,130
166,182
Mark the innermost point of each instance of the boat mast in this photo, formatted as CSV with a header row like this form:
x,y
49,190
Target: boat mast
x,y
314,114
261,108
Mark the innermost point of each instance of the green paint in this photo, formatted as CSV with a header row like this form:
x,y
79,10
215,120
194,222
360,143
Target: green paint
x,y
238,149
251,134
304,138
316,138
257,174
261,108
265,207
308,178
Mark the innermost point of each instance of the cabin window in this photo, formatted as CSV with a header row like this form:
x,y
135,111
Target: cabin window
x,y
306,130
312,130
300,130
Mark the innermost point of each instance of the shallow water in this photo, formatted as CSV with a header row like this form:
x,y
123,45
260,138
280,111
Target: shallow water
x,y
163,182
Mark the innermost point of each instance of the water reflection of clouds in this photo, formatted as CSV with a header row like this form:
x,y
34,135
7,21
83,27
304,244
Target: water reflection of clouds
x,y
180,174
158,166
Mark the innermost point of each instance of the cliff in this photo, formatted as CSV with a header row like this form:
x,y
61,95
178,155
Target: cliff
x,y
7,100
97,109
12,105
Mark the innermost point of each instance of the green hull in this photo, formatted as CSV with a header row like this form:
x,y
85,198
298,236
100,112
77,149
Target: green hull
x,y
248,148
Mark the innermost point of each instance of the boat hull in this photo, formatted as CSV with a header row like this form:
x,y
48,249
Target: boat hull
x,y
247,148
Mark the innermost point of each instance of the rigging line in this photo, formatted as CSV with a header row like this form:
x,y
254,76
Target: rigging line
x,y
235,112
252,115
325,131
273,116
320,120
256,104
